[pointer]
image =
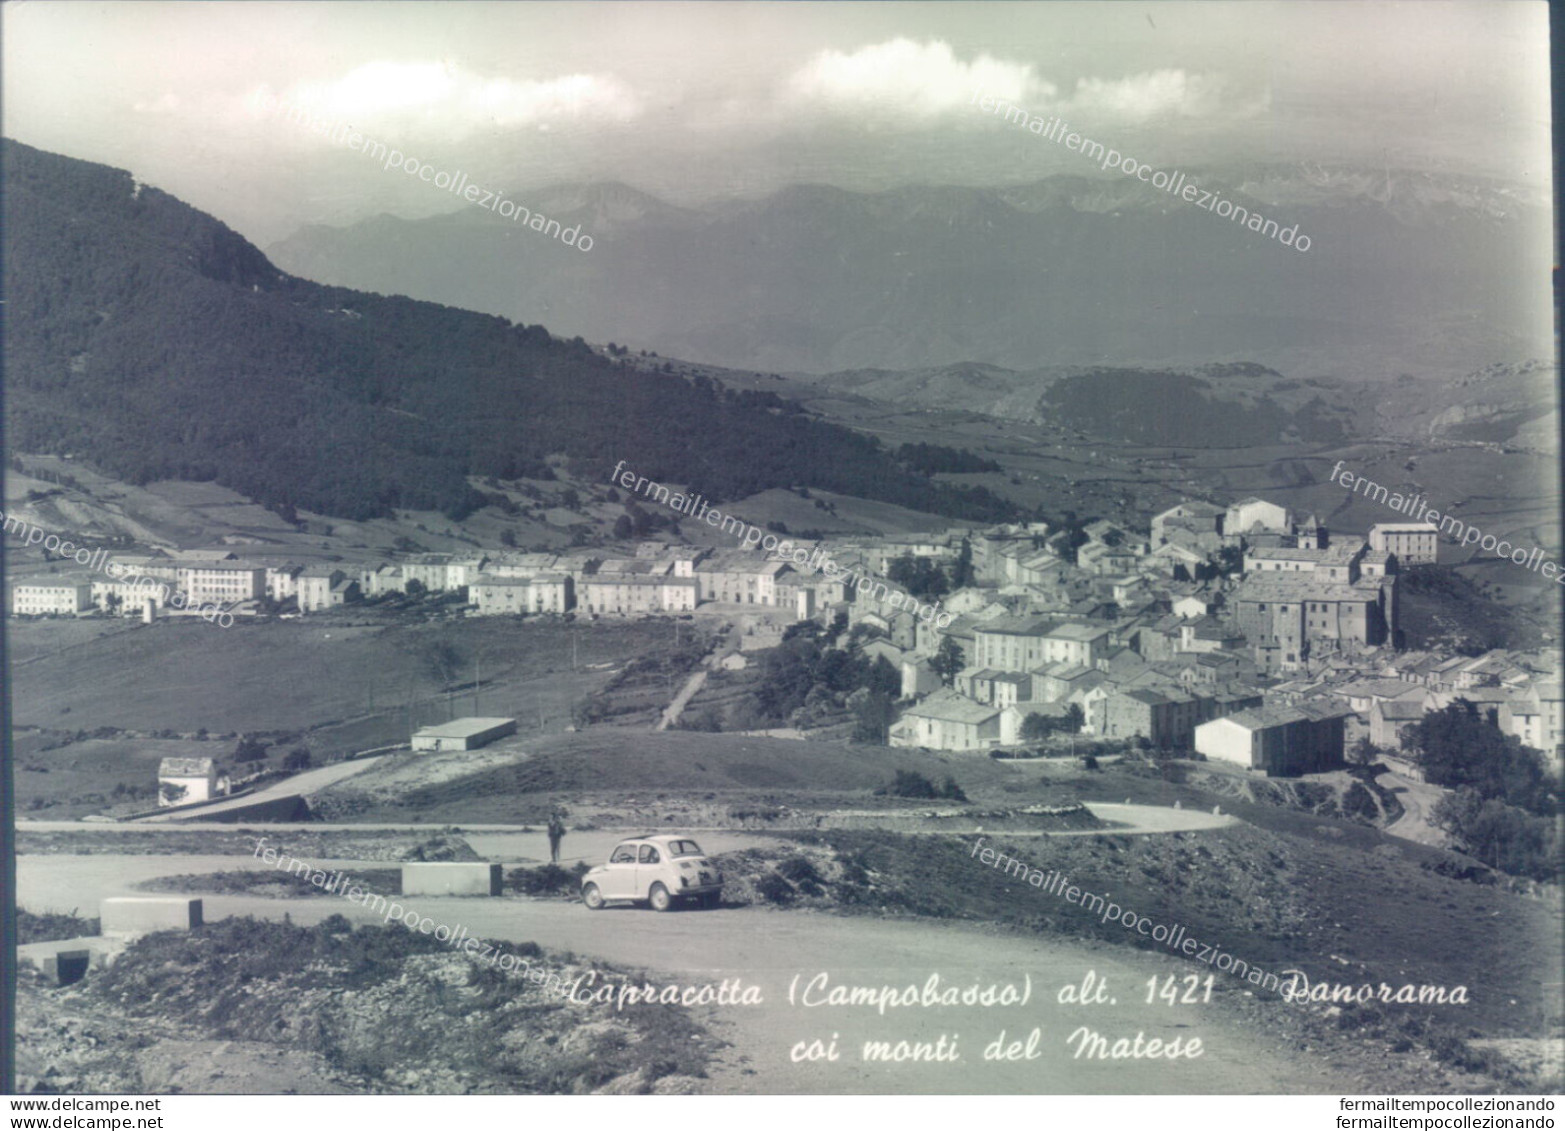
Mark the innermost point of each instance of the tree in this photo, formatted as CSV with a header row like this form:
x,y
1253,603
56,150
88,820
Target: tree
x,y
1075,719
415,587
1364,752
882,678
1036,727
949,660
623,528
1500,835
249,750
875,716
949,789
508,538
919,576
1457,746
962,569
298,759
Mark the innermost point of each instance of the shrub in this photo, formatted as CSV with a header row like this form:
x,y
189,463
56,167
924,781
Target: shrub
x,y
949,789
773,888
802,872
908,783
547,879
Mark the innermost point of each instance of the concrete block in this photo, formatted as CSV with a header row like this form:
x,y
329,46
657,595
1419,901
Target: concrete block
x,y
451,878
64,967
129,915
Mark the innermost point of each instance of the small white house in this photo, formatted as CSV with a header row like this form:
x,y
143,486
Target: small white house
x,y
182,781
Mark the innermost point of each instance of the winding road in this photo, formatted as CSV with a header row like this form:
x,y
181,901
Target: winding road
x,y
775,950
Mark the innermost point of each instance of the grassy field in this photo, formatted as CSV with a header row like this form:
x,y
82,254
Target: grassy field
x,y
293,675
83,777
607,759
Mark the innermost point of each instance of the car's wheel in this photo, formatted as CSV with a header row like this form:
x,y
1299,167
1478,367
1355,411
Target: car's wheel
x,y
711,899
659,898
592,897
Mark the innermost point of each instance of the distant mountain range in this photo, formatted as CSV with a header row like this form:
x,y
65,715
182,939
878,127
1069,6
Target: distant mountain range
x,y
153,342
1406,272
1223,405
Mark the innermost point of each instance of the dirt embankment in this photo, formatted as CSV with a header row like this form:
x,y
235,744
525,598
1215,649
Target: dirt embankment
x,y
303,844
1337,795
264,1006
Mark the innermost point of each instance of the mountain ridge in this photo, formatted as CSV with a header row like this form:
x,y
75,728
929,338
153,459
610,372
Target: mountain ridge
x,y
151,339
1406,271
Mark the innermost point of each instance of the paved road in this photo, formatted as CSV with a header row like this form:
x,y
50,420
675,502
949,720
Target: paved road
x,y
769,948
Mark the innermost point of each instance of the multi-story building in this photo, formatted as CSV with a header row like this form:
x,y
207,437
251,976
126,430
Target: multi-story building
x,y
1011,644
429,570
221,582
41,598
738,578
1083,644
1167,718
282,581
997,689
1286,617
1281,559
1256,516
323,587
634,595
1193,524
1414,543
542,593
1533,716
128,596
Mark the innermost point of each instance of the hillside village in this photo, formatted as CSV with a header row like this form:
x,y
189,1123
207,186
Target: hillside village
x,y
1243,633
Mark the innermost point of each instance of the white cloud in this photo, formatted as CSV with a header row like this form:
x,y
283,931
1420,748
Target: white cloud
x,y
917,82
920,80
1163,93
447,101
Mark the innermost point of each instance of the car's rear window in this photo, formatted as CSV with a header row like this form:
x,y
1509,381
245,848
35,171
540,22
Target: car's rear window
x,y
677,848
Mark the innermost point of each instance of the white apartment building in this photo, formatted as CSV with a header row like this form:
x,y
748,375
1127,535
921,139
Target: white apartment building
x,y
40,598
221,583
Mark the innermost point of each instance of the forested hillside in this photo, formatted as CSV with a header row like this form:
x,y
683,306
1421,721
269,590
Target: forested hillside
x,y
151,340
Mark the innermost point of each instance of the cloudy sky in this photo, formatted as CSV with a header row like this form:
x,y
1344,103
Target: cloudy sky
x,y
708,100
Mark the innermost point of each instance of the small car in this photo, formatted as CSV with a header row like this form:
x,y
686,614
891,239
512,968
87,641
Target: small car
x,y
655,869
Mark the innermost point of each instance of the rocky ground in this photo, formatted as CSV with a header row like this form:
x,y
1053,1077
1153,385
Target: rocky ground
x,y
271,1007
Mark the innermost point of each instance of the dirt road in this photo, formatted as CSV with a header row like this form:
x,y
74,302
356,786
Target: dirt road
x,y
1418,802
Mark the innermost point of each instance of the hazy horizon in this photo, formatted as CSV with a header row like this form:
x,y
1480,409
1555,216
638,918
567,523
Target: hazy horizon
x,y
692,102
